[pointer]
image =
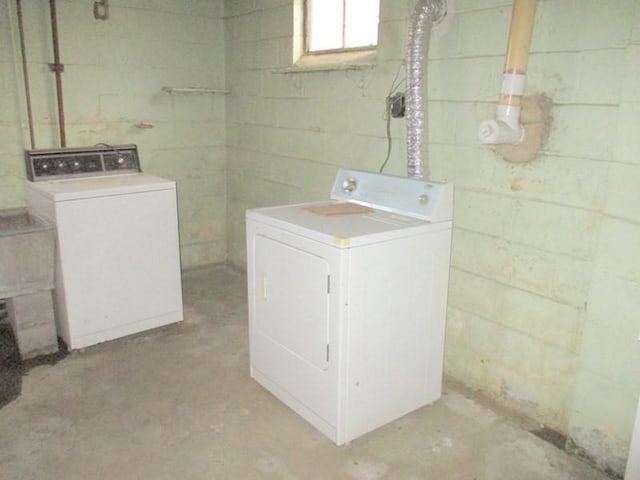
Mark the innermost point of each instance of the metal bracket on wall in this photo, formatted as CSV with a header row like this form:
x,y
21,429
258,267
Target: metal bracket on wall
x,y
195,90
101,10
56,67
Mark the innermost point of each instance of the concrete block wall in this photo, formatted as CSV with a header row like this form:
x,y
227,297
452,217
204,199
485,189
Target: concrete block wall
x,y
12,191
544,279
114,72
607,383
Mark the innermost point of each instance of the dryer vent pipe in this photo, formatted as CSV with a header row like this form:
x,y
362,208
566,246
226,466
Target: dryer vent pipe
x,y
506,127
425,14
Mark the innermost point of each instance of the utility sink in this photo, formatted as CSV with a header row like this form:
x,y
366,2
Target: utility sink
x,y
18,220
27,246
27,259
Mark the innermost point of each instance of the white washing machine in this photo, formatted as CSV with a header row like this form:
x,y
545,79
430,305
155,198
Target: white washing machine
x,y
117,255
348,298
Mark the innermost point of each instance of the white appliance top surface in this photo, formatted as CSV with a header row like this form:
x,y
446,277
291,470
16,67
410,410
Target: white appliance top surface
x,y
379,207
89,187
342,230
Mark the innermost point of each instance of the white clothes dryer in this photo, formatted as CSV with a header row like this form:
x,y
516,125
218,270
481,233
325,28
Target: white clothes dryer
x,y
347,301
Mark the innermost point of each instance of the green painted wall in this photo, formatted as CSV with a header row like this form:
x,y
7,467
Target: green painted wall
x,y
545,278
114,71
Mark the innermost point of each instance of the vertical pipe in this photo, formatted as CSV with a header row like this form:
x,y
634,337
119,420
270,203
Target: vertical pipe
x,y
25,73
506,127
58,68
517,59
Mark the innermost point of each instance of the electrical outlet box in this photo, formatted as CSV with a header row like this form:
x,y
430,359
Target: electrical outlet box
x,y
397,105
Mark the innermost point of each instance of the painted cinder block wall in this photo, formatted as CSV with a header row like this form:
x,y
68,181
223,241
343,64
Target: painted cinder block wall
x,y
545,276
113,74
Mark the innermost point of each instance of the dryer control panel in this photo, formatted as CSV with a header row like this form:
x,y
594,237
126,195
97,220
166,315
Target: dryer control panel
x,y
429,201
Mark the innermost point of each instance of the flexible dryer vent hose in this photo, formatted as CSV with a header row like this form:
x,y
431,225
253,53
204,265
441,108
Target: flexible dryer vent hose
x,y
426,12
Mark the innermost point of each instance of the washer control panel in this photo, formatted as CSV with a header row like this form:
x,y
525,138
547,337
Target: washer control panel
x,y
57,164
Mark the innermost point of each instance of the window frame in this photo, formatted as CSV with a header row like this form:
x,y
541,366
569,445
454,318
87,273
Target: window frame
x,y
307,34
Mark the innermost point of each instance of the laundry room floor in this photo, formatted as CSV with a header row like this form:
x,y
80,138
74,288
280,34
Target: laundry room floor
x,y
178,403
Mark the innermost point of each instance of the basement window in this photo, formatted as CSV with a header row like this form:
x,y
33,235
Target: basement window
x,y
339,25
335,34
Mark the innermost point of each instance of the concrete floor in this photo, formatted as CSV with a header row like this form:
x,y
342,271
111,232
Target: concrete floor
x,y
178,403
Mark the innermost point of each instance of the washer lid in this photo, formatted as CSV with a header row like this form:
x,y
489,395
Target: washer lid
x,y
408,196
92,187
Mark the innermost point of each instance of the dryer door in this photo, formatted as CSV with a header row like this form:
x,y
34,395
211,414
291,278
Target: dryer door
x,y
290,330
293,304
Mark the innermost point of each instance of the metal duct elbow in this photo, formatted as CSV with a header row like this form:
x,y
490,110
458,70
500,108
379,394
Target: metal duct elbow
x,y
425,13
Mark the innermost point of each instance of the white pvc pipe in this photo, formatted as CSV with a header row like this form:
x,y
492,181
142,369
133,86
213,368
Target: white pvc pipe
x,y
506,127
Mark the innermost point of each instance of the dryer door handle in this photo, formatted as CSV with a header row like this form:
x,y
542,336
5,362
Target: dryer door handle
x,y
265,291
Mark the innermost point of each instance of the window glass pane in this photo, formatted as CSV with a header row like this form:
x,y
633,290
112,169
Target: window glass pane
x,y
361,21
324,21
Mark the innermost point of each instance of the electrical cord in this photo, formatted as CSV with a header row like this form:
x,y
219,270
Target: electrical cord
x,y
387,112
389,140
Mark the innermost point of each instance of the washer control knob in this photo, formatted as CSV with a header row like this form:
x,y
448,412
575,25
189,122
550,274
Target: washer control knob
x,y
349,185
423,199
